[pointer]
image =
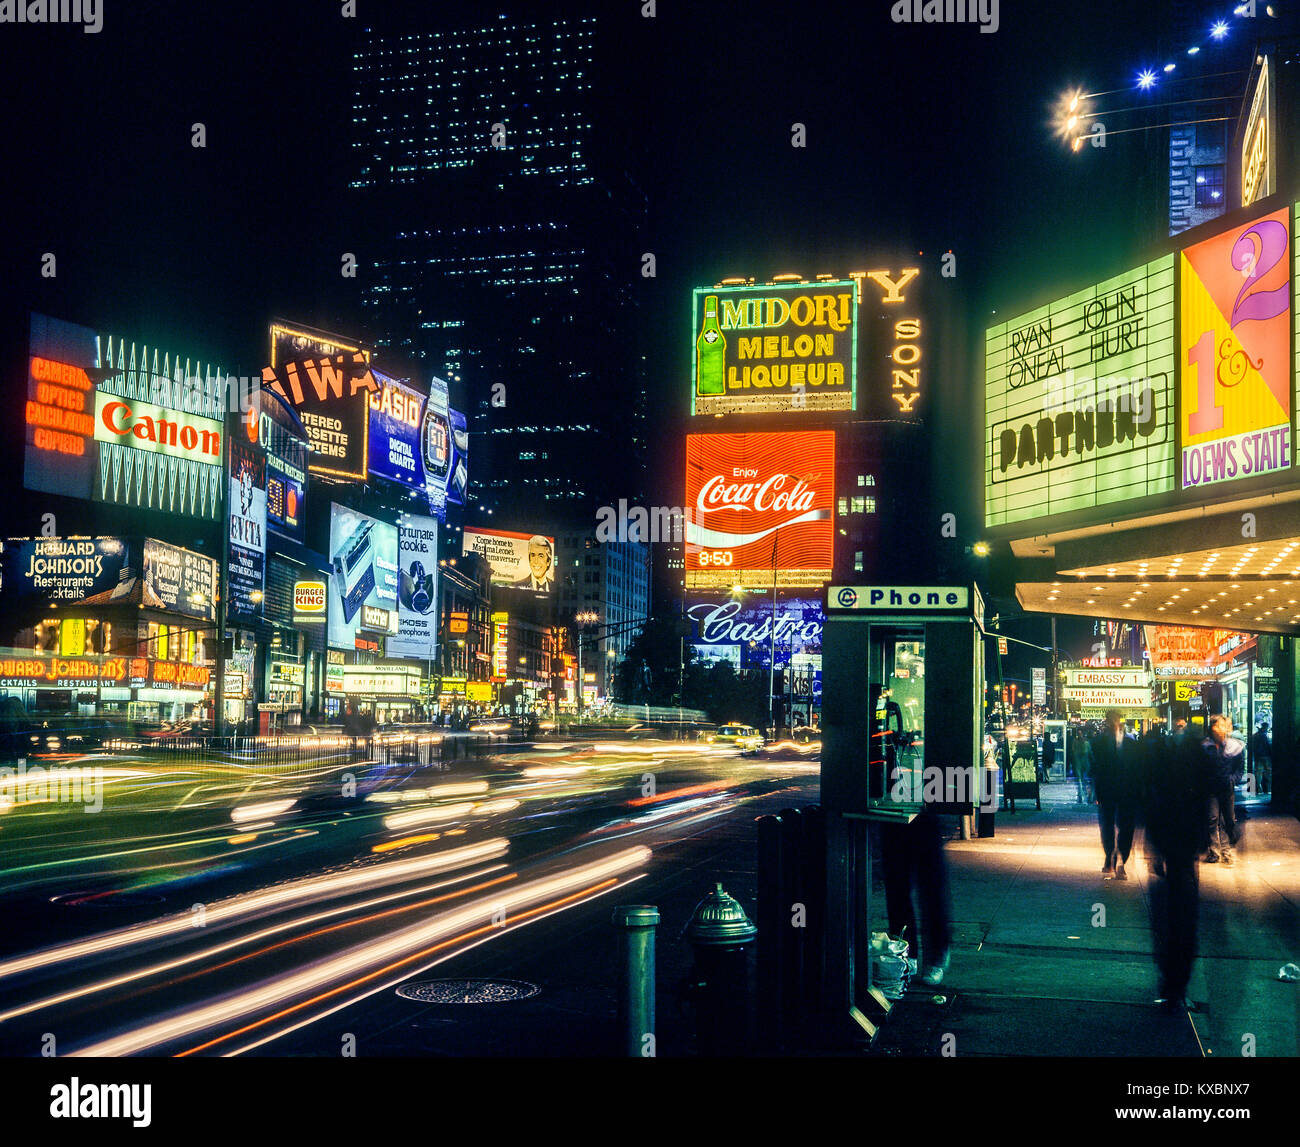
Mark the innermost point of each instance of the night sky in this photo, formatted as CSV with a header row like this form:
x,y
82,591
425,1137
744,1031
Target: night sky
x,y
919,138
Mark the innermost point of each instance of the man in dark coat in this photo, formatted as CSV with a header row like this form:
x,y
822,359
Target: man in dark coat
x,y
1224,762
1117,789
1177,790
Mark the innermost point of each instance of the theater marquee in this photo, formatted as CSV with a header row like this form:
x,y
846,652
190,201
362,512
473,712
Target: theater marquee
x,y
1079,399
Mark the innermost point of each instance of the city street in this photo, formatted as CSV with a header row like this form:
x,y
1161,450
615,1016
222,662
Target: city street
x,y
247,912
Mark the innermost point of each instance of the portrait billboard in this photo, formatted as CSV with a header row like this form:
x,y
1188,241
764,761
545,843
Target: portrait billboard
x,y
760,509
363,581
524,562
1234,358
246,572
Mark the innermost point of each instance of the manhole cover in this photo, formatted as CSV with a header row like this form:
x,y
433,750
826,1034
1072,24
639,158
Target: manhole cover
x,y
467,991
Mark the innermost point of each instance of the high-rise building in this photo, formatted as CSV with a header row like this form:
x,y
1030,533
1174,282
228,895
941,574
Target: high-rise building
x,y
502,248
610,579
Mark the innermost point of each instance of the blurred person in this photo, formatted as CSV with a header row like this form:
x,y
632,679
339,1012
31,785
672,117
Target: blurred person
x,y
1261,759
1177,788
1223,762
1081,761
911,854
1117,785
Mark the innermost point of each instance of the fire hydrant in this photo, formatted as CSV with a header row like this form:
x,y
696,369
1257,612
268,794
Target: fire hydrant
x,y
721,934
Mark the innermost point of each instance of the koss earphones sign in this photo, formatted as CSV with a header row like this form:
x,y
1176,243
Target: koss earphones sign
x,y
417,598
1235,354
759,509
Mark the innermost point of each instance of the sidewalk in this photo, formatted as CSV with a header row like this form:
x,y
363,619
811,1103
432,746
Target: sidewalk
x,y
1051,960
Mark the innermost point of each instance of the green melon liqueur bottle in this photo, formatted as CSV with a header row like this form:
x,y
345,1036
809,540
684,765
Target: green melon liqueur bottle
x,y
710,352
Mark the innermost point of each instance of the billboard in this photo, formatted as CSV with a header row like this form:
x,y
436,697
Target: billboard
x,y
1257,146
61,454
122,424
411,438
1079,399
363,556
1182,651
760,509
417,592
783,348
458,480
747,626
284,438
109,571
518,561
500,646
1234,357
246,572
326,379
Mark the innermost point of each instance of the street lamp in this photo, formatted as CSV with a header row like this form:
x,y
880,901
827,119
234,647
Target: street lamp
x,y
583,619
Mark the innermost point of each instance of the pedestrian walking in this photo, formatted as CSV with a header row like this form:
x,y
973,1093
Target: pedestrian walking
x,y
1223,762
911,855
1177,788
1081,761
1117,787
1261,759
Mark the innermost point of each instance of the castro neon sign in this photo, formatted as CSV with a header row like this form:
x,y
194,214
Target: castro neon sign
x,y
144,426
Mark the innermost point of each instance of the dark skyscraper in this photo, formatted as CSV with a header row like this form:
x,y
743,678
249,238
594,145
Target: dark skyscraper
x,y
502,250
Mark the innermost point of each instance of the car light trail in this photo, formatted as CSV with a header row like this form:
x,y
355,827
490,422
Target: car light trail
x,y
389,952
253,938
297,892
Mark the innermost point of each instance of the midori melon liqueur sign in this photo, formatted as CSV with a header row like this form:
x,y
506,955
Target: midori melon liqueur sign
x,y
777,348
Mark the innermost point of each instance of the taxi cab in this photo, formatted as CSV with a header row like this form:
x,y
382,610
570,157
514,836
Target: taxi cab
x,y
745,737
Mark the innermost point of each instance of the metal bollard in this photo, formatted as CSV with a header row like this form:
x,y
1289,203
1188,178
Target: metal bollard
x,y
636,995
721,933
772,916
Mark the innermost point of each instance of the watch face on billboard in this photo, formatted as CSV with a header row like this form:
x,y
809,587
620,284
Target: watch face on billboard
x,y
760,509
1079,399
1235,354
518,561
363,557
410,438
788,347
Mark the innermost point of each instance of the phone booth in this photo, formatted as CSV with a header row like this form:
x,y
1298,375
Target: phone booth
x,y
902,706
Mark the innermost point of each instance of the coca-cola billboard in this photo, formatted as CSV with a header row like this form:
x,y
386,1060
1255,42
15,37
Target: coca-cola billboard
x,y
760,509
